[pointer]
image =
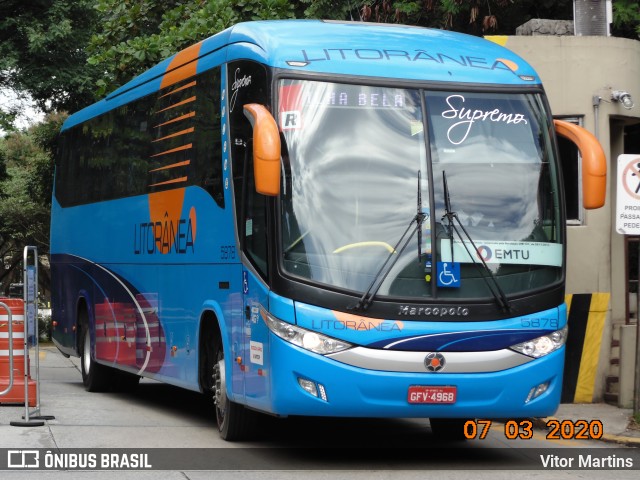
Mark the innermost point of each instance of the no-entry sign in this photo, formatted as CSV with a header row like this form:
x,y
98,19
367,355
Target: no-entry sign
x,y
628,195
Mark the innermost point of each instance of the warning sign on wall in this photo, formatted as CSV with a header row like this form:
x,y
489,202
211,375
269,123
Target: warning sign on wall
x,y
628,195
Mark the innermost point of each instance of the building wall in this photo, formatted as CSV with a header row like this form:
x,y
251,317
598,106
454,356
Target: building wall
x,y
573,71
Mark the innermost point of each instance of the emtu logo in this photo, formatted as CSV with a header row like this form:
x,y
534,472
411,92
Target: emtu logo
x,y
484,253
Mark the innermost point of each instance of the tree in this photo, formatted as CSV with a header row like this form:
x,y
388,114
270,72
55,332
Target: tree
x,y
136,34
42,52
26,159
7,117
133,35
626,19
476,17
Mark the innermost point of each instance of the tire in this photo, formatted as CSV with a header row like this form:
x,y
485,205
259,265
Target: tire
x,y
234,421
448,429
95,377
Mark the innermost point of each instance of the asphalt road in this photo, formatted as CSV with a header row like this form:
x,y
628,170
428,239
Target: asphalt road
x,y
176,429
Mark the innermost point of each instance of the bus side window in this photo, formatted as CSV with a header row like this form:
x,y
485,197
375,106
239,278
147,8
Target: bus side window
x,y
247,84
255,219
570,163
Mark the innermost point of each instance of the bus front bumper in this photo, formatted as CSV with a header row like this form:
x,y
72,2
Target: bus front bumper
x,y
347,391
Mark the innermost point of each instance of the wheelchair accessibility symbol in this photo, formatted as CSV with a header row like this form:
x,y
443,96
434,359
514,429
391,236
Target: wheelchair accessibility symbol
x,y
245,282
449,274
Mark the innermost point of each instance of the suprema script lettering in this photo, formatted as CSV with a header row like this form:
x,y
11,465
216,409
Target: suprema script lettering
x,y
459,131
238,83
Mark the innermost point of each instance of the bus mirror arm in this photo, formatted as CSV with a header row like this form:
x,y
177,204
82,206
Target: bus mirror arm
x,y
266,149
594,162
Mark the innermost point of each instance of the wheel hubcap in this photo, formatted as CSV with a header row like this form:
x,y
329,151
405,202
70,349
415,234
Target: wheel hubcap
x,y
220,391
86,353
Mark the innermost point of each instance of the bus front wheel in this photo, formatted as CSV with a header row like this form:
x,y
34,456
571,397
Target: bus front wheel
x,y
235,422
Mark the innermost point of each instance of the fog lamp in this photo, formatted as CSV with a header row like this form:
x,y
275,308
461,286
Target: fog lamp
x,y
536,391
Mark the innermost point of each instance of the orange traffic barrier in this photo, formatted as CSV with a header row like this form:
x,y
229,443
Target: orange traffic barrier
x,y
17,392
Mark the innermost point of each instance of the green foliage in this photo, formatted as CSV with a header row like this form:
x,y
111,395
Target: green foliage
x,y
626,18
7,117
333,9
476,17
135,35
26,187
26,171
41,51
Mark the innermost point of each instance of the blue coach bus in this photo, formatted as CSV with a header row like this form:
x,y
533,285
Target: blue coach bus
x,y
321,218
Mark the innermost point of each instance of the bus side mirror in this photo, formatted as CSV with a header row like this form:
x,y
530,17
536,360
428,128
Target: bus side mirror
x,y
266,149
594,162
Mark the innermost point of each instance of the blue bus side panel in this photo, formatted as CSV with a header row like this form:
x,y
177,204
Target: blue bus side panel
x,y
150,330
120,231
145,277
144,302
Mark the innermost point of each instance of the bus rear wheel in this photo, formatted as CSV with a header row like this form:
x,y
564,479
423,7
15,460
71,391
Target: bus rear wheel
x,y
95,377
235,422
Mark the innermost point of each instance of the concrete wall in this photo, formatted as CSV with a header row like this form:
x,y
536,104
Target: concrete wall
x,y
573,71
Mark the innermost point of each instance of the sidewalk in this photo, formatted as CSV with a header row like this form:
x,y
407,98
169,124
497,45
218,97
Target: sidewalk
x,y
616,421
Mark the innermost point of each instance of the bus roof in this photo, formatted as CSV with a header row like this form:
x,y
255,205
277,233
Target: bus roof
x,y
383,51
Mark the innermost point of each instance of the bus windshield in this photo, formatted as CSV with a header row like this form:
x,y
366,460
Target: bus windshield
x,y
360,162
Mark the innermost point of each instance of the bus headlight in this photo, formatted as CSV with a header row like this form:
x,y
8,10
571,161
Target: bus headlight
x,y
312,341
541,346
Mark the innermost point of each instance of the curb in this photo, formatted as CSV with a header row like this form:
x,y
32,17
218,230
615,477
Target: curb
x,y
622,439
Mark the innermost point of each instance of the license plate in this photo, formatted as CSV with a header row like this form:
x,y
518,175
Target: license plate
x,y
420,394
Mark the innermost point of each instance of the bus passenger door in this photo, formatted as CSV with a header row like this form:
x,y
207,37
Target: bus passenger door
x,y
247,83
254,240
255,353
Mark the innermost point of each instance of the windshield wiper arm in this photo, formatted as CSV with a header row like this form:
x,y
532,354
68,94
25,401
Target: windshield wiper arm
x,y
485,273
420,214
384,270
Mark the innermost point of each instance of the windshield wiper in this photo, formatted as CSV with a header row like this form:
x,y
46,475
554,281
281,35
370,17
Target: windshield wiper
x,y
380,276
485,273
418,213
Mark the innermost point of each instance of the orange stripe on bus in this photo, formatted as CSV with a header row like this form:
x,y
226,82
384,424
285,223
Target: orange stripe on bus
x,y
183,65
188,85
166,206
188,100
173,165
175,180
177,119
177,134
173,150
